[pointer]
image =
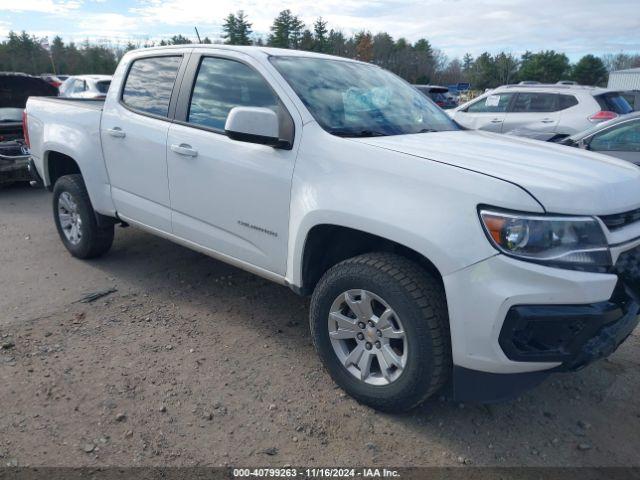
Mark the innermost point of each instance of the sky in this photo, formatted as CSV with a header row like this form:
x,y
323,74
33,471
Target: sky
x,y
576,27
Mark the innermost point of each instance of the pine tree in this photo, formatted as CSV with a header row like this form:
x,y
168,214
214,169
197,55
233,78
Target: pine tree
x,y
467,63
320,35
230,29
590,70
286,31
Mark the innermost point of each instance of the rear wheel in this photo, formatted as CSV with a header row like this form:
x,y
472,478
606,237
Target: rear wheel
x,y
380,325
76,220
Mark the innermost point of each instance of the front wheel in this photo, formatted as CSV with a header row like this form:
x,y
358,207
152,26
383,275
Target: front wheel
x,y
379,323
76,220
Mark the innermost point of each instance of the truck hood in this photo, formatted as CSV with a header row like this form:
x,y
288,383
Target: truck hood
x,y
562,179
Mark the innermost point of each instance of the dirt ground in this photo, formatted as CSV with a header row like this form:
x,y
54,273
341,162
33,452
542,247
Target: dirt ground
x,y
193,362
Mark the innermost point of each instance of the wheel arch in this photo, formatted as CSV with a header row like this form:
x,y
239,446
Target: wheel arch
x,y
57,164
327,244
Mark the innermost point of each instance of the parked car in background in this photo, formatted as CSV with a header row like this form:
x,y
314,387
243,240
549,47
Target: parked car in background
x,y
15,89
440,95
55,80
86,86
633,98
619,137
531,110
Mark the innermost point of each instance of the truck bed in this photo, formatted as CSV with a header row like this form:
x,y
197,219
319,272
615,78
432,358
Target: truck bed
x,y
81,102
70,127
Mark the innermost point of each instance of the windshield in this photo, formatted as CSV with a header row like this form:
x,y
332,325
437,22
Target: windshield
x,y
355,99
614,102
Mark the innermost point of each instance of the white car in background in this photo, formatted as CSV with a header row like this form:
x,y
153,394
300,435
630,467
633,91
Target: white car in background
x,y
531,110
86,86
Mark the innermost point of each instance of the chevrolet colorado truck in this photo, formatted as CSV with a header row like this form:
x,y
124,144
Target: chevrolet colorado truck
x,y
434,256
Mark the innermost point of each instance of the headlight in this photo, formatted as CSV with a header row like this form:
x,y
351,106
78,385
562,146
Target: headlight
x,y
566,242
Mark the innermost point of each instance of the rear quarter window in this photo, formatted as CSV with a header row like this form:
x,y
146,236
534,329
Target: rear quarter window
x,y
149,84
566,101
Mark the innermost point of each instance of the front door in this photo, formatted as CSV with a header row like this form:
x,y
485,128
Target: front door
x,y
229,196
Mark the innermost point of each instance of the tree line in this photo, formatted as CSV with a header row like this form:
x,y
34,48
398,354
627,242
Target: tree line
x,y
417,62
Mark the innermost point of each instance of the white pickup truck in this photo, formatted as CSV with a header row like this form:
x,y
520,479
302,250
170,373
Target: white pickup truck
x,y
434,256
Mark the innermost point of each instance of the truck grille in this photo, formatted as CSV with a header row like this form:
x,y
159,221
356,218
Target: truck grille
x,y
628,268
619,220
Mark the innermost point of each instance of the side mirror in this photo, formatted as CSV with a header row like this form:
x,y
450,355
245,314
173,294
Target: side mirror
x,y
253,125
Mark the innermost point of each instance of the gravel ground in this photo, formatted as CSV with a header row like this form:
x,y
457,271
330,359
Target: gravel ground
x,y
193,362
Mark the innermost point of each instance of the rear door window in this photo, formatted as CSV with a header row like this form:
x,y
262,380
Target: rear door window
x,y
613,102
493,103
149,84
535,102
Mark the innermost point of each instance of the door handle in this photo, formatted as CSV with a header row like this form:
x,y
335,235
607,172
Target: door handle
x,y
547,120
496,120
116,132
184,149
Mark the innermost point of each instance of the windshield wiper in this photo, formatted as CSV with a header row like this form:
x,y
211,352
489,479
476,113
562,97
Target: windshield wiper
x,y
428,130
360,133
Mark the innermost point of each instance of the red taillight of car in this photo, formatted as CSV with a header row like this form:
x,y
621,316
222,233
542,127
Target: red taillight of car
x,y
602,115
25,130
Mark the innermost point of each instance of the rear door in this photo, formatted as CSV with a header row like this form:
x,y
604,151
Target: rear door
x,y
487,113
533,112
134,131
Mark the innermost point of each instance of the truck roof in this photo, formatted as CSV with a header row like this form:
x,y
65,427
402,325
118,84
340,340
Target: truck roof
x,y
249,50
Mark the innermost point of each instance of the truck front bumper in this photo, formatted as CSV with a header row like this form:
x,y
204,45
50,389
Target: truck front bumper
x,y
513,323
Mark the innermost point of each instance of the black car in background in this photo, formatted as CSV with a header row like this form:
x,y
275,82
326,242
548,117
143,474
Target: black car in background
x,y
440,95
15,89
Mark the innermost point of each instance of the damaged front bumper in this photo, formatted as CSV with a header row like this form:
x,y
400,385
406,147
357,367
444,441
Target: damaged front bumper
x,y
575,335
563,337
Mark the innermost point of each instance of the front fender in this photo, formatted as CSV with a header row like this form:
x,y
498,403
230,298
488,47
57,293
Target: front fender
x,y
427,206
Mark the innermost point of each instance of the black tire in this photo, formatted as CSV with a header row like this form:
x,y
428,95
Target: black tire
x,y
95,240
418,299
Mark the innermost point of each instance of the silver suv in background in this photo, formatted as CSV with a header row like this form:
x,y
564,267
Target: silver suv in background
x,y
532,110
86,86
